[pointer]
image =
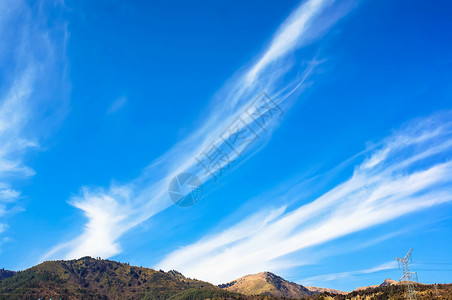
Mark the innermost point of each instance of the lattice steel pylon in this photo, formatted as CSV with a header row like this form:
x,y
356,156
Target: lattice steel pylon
x,y
408,277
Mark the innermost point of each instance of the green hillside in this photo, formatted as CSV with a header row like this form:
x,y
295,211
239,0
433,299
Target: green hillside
x,y
6,273
89,278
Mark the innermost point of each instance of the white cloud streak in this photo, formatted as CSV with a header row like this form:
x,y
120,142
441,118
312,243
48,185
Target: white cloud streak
x,y
411,171
147,195
290,35
22,69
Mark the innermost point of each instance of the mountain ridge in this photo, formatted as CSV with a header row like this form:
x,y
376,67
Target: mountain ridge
x,y
322,290
266,283
386,282
106,279
102,279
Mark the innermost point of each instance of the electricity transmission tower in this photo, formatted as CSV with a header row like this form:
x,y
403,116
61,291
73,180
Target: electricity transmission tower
x,y
408,277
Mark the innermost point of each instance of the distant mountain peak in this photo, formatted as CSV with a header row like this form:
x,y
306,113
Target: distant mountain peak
x,y
266,283
387,282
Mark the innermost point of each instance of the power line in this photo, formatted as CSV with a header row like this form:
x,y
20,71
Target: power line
x,y
435,269
433,263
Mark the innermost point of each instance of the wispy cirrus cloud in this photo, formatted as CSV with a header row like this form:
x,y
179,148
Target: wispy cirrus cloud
x,y
276,71
410,171
12,143
29,60
291,35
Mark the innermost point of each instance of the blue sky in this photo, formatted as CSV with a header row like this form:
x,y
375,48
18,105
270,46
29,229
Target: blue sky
x,y
103,103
